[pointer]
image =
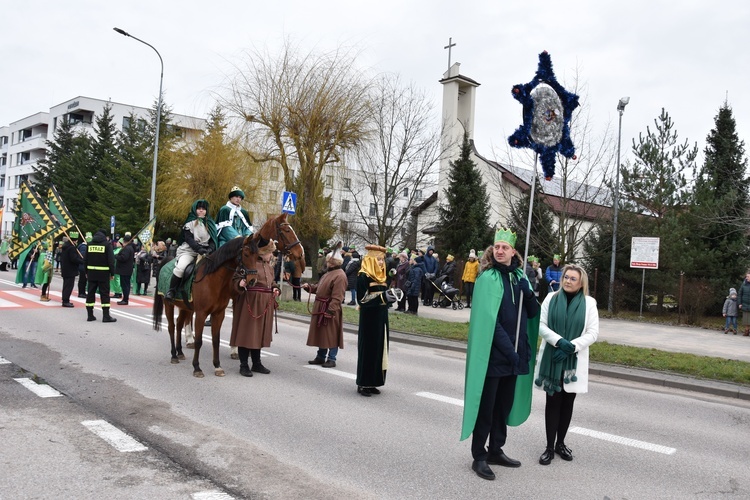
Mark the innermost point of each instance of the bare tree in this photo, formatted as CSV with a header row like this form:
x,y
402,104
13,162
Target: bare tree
x,y
302,111
395,165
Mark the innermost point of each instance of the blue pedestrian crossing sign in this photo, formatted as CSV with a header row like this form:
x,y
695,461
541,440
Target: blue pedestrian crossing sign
x,y
289,203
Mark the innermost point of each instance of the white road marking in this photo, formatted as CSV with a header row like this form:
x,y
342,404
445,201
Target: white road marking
x,y
626,441
114,436
441,398
34,297
211,495
41,390
332,371
4,361
8,303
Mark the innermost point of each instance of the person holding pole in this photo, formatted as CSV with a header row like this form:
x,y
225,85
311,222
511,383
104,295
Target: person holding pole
x,y
493,358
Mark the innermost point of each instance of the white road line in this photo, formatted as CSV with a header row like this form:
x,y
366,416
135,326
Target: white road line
x,y
442,399
114,436
332,371
211,495
7,303
4,361
41,390
626,441
34,297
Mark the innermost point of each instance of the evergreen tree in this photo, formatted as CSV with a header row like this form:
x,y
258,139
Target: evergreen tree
x,y
544,239
112,192
719,216
133,146
464,220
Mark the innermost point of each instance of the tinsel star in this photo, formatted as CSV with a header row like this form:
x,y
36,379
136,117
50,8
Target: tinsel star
x,y
546,116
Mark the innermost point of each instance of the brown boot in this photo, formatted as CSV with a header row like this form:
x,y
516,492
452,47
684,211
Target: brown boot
x,y
747,332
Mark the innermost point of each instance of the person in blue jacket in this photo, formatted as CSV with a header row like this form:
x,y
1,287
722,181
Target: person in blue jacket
x,y
553,274
430,270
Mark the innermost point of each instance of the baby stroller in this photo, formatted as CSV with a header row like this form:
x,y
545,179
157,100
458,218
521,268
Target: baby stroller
x,y
448,294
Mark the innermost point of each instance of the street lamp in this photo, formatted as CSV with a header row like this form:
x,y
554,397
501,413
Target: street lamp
x,y
620,108
158,122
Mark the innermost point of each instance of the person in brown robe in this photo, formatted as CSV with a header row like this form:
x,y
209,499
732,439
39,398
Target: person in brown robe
x,y
252,325
326,325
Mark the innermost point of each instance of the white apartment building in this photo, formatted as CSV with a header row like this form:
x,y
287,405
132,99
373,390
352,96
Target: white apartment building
x,y
23,143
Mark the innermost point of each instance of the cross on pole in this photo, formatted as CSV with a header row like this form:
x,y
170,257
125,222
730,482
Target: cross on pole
x,y
450,44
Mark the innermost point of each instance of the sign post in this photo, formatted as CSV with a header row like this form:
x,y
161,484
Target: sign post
x,y
644,254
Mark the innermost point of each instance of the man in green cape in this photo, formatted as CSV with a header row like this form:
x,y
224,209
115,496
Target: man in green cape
x,y
494,360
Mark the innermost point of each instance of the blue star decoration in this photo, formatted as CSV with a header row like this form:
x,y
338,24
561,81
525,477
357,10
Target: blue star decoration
x,y
547,108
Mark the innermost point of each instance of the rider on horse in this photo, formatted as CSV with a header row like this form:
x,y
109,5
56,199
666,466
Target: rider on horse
x,y
198,237
233,220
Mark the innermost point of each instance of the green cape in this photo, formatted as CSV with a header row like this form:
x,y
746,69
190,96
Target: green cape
x,y
488,292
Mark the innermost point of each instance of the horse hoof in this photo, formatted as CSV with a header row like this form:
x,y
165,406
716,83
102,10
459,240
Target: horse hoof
x,y
175,361
234,355
190,345
181,356
198,374
219,372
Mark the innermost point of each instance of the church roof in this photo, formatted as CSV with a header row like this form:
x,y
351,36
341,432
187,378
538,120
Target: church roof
x,y
461,78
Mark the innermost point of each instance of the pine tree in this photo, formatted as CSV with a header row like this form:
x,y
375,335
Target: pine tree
x,y
133,145
113,194
464,220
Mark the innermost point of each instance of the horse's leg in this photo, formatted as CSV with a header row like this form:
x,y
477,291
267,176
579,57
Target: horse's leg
x,y
182,320
217,318
169,311
200,320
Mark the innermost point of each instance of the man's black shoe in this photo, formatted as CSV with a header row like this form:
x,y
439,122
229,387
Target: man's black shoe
x,y
564,452
245,371
502,459
483,470
547,456
259,368
122,303
67,304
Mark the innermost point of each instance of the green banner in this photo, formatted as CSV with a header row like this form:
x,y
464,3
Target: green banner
x,y
33,220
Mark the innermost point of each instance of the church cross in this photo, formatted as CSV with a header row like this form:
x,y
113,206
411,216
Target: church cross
x,y
450,44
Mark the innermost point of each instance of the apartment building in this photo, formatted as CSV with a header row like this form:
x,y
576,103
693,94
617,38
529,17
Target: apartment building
x,y
23,143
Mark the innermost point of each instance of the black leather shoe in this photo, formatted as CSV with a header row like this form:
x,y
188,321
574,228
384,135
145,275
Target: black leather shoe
x,y
68,304
122,303
564,452
364,391
259,368
245,371
316,361
374,390
502,459
483,470
547,456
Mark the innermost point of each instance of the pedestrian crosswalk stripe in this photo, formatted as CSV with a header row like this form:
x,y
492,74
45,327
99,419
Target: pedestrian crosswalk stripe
x,y
114,436
41,390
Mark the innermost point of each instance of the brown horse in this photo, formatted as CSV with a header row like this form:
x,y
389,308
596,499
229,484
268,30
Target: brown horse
x,y
208,302
210,295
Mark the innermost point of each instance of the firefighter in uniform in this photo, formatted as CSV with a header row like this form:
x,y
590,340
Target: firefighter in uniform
x,y
100,268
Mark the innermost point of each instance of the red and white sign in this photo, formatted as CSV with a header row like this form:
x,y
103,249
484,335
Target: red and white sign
x,y
644,253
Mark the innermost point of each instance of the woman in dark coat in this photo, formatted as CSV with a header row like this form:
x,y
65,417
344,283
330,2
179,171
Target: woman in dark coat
x,y
401,270
414,279
352,271
372,336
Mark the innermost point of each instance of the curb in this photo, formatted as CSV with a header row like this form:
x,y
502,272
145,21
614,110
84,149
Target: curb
x,y
668,380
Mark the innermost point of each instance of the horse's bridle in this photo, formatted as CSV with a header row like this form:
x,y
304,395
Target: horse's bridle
x,y
282,237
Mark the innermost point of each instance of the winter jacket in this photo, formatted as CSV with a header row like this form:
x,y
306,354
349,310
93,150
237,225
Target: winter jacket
x,y
100,259
352,269
126,260
743,296
730,307
414,279
449,270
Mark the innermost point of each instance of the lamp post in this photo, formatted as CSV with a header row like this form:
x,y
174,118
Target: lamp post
x,y
616,201
158,122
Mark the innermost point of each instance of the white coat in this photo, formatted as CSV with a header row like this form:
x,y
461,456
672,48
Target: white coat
x,y
582,343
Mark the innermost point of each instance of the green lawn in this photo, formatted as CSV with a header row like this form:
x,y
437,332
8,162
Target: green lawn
x,y
704,367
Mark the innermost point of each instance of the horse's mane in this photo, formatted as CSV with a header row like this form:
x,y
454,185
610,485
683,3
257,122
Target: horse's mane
x,y
229,250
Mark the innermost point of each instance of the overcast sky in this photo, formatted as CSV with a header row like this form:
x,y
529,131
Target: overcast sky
x,y
685,56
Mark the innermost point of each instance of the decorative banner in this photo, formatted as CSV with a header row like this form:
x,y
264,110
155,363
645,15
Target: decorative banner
x,y
146,235
32,222
547,109
61,218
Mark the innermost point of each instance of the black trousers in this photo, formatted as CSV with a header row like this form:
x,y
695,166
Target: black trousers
x,y
81,282
296,289
413,301
468,291
558,413
244,353
103,288
125,285
494,408
67,288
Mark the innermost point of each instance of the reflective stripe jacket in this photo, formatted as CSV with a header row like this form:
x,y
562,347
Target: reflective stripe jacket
x,y
99,259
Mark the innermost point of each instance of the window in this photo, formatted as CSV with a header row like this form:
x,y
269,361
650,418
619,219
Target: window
x,y
347,183
329,181
373,209
54,123
344,226
2,182
345,206
273,195
22,158
406,192
418,194
3,140
126,123
274,173
374,188
390,212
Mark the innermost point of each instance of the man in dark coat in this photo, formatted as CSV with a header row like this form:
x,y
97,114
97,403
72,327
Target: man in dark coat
x,y
352,270
69,262
100,268
125,263
82,280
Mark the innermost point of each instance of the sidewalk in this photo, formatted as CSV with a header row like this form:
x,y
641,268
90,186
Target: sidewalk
x,y
684,339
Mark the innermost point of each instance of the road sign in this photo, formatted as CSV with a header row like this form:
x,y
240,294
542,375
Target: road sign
x,y
289,202
644,253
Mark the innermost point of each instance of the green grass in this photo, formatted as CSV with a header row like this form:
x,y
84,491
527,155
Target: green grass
x,y
703,367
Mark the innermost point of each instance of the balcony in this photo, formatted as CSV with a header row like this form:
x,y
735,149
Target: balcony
x,y
38,141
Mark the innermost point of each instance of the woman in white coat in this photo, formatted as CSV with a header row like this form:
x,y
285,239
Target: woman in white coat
x,y
568,325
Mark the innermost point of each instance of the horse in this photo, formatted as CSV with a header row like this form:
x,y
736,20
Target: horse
x,y
211,292
276,228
